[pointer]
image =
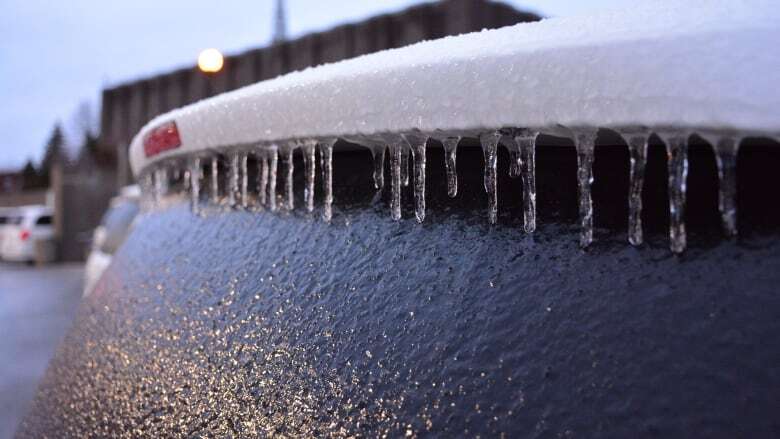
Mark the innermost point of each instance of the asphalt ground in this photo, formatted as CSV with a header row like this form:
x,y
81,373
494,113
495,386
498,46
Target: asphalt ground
x,y
37,306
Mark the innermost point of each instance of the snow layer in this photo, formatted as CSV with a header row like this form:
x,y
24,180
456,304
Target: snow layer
x,y
709,64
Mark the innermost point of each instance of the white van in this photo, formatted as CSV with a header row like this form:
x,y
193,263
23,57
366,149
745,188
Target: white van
x,y
23,228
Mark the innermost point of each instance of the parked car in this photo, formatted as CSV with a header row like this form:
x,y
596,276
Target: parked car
x,y
257,304
5,216
110,234
23,229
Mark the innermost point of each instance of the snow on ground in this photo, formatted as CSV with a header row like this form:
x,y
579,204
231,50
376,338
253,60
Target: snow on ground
x,y
710,64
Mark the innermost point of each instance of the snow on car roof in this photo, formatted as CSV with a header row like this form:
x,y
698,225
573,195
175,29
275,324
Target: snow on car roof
x,y
710,64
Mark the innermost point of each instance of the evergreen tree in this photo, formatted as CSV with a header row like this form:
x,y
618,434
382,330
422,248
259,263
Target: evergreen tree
x,y
30,179
53,154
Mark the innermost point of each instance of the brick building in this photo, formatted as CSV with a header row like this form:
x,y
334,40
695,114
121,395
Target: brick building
x,y
127,107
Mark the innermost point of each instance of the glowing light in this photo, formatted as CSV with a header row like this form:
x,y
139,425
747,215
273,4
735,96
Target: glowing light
x,y
210,61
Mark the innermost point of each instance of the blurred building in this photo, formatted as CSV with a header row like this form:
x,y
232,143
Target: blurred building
x,y
127,107
13,192
11,181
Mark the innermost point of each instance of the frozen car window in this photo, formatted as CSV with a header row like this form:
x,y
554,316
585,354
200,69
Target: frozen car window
x,y
117,223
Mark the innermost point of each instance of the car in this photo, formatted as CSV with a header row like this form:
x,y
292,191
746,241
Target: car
x,y
477,307
23,229
110,234
5,215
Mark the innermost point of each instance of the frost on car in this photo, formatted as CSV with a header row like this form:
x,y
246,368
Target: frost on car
x,y
521,232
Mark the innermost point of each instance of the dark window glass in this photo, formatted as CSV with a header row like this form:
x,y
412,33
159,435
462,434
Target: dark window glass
x,y
44,221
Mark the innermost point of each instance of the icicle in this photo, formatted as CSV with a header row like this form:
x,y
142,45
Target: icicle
x,y
450,163
417,145
637,150
526,147
272,178
147,187
396,159
194,174
508,140
233,179
310,164
262,175
726,149
405,166
243,161
164,180
187,180
514,163
182,177
160,184
326,157
147,183
677,161
585,141
155,198
215,179
489,149
289,194
378,153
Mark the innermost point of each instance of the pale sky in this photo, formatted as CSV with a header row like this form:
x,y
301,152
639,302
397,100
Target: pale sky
x,y
56,54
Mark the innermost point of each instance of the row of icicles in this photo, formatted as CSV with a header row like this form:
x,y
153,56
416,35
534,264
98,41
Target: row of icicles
x,y
521,144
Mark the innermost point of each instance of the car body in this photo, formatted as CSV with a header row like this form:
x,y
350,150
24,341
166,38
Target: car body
x,y
5,216
225,319
110,234
23,229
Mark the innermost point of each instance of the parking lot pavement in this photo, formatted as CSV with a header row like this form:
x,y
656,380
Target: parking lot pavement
x,y
37,306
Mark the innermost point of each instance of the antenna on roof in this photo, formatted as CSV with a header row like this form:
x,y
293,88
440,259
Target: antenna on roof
x,y
280,23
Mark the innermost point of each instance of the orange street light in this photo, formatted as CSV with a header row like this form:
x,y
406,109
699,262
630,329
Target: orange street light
x,y
210,61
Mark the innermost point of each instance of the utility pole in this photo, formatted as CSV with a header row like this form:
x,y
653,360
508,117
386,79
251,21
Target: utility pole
x,y
280,23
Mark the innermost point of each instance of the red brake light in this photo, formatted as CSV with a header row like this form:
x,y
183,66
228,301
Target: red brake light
x,y
24,235
161,139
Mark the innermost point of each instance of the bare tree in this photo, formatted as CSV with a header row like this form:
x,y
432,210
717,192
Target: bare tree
x,y
84,123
